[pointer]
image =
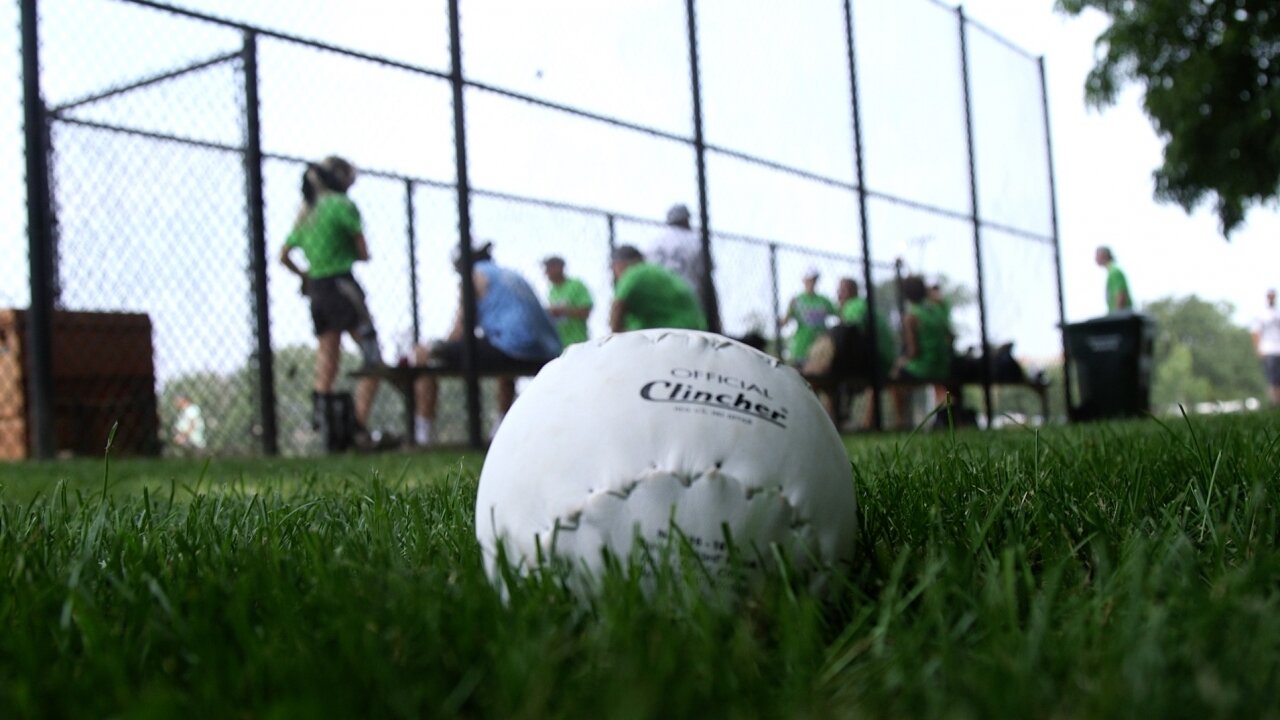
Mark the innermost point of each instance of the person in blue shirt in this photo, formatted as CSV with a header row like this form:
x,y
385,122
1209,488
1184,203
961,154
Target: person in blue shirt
x,y
517,335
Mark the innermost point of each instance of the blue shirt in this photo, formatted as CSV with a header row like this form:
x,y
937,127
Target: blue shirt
x,y
512,316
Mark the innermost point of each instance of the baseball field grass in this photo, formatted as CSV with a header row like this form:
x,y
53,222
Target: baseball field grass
x,y
1125,569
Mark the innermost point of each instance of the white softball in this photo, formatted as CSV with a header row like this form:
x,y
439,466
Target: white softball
x,y
626,435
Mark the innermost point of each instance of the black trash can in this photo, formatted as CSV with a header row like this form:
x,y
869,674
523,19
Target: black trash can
x,y
1111,360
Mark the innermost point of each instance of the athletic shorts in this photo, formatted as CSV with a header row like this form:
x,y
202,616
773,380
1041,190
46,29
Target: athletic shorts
x,y
1271,368
489,359
337,304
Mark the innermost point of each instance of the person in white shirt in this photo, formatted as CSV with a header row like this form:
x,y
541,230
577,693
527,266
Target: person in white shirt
x,y
679,249
1266,341
188,429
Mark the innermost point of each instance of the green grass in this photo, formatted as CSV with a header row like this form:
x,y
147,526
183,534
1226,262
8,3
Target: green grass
x,y
1113,570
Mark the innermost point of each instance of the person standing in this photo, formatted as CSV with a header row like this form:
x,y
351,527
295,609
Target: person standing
x,y
679,249
568,302
330,234
1118,297
518,335
1266,342
810,312
647,295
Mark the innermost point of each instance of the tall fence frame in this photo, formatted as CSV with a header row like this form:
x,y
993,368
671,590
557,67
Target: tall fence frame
x,y
42,203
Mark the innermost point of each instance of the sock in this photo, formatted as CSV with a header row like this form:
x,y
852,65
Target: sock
x,y
421,430
369,350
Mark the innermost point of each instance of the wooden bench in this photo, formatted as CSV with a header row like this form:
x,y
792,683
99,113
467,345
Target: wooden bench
x,y
850,375
404,377
841,388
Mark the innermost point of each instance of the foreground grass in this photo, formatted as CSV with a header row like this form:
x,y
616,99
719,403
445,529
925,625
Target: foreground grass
x,y
1114,570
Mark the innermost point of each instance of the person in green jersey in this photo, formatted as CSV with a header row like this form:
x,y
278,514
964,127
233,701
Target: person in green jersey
x,y
927,347
1118,297
810,312
329,232
568,302
650,296
853,311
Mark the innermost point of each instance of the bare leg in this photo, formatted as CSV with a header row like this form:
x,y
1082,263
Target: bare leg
x,y
327,361
867,413
506,394
901,394
941,398
424,389
366,389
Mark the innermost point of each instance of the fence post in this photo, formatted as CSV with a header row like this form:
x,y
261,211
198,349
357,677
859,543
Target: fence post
x,y
40,240
410,230
258,245
776,292
464,230
1057,246
977,222
613,234
710,303
869,328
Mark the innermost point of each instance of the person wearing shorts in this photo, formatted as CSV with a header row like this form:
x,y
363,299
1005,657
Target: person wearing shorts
x,y
518,336
330,234
1266,341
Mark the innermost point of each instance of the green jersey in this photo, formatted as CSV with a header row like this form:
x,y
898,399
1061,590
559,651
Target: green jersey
x,y
854,312
810,311
655,297
327,236
1116,284
933,342
570,293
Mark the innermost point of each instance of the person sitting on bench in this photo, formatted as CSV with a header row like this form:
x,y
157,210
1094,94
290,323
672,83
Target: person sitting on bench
x,y
853,312
518,336
927,341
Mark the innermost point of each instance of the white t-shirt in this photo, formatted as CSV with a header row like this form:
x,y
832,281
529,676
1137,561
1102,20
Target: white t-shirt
x,y
1268,328
680,251
190,425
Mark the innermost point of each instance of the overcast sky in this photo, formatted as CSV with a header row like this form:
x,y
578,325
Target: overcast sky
x,y
774,85
1104,160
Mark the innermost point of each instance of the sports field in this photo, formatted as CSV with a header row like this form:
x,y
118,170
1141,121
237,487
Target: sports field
x,y
1111,570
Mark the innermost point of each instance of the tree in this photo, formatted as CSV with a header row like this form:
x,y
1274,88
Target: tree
x,y
1199,355
1211,74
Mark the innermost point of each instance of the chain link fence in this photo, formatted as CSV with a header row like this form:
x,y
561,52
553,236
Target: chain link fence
x,y
177,136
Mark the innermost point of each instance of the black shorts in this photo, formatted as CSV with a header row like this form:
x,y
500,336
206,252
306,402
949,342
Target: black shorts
x,y
489,359
337,304
1271,368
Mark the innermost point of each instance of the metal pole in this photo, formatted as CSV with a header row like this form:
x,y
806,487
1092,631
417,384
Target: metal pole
x,y
411,233
977,223
710,303
869,327
776,292
258,245
40,239
464,230
613,234
1057,246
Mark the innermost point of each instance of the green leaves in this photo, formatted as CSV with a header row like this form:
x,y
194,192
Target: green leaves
x,y
1210,71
